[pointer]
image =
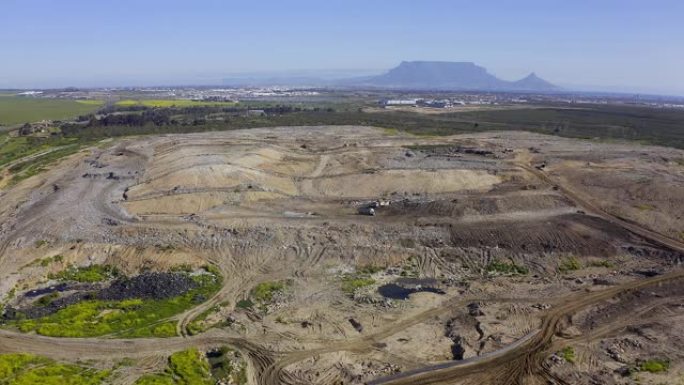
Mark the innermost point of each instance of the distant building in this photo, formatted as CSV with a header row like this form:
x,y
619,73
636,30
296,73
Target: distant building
x,y
399,102
256,112
436,103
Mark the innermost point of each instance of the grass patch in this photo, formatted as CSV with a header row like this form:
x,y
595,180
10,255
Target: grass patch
x,y
155,379
601,263
93,273
188,367
654,366
244,304
360,279
166,103
198,325
45,262
127,318
163,330
14,148
90,102
265,291
352,283
26,369
569,264
645,207
507,268
227,366
29,156
17,110
40,243
568,354
35,166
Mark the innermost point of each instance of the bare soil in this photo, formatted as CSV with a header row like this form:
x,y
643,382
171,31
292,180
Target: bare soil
x,y
595,229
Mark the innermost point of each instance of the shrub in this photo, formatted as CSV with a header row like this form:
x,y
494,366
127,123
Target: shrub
x,y
351,283
155,379
506,268
93,273
265,291
244,304
568,354
654,366
570,264
26,369
601,263
190,367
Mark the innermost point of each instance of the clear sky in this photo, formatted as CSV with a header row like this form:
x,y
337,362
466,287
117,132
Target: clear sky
x,y
616,44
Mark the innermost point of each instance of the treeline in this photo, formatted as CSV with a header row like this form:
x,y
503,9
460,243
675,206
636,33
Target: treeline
x,y
647,125
134,116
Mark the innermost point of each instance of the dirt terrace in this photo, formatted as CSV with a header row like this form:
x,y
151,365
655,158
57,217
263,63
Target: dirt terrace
x,y
282,205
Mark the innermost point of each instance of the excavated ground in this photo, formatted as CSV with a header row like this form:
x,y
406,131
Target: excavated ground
x,y
530,243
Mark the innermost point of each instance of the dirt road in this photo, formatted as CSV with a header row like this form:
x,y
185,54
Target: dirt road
x,y
596,210
523,359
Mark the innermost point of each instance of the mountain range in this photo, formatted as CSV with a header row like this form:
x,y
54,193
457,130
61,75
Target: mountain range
x,y
438,75
410,75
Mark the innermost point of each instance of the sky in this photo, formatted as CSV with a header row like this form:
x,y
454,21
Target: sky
x,y
615,45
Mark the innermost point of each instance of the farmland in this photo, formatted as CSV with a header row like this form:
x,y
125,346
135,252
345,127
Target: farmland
x,y
16,110
161,103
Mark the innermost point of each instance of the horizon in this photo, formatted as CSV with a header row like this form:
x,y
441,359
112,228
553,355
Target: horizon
x,y
612,46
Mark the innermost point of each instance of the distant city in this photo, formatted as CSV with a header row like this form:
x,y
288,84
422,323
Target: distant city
x,y
384,98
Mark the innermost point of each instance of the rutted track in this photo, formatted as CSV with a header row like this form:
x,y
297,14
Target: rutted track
x,y
522,362
334,236
594,209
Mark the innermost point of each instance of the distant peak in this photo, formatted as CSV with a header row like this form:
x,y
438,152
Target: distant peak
x,y
445,75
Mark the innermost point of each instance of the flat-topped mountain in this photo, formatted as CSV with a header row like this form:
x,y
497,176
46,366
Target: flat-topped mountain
x,y
441,75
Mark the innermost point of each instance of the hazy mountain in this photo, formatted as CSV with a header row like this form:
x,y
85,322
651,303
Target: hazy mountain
x,y
437,75
534,83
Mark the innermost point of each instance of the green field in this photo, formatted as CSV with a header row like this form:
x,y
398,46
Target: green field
x,y
16,110
188,367
126,318
165,103
27,369
41,152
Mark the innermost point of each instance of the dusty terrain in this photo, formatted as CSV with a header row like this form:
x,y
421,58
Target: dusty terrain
x,y
531,243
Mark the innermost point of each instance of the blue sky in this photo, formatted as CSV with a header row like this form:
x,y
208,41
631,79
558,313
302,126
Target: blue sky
x,y
620,45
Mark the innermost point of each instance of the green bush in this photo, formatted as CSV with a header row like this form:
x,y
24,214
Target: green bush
x,y
351,283
47,261
93,273
26,369
156,379
265,291
506,268
190,368
654,366
244,304
570,264
601,263
568,354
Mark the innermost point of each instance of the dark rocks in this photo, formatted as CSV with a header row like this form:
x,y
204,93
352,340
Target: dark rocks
x,y
148,286
451,332
110,222
475,310
356,325
145,286
602,281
